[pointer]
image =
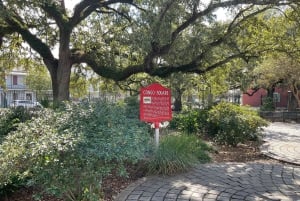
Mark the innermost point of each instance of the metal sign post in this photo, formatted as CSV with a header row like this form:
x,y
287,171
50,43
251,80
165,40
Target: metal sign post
x,y
156,126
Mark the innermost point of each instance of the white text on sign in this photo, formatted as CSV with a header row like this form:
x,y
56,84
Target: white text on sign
x,y
158,92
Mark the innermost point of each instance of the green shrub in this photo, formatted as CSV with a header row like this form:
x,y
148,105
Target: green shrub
x,y
7,123
232,124
191,121
178,153
9,119
267,104
69,152
132,107
46,103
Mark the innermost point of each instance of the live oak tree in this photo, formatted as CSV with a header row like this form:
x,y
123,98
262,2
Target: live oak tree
x,y
281,70
120,38
277,36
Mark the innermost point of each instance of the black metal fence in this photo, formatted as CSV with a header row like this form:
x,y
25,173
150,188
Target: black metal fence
x,y
281,116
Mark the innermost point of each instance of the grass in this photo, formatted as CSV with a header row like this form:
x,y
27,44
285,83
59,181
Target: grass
x,y
178,153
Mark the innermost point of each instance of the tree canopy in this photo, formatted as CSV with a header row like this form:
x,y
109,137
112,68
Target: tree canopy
x,y
283,70
277,36
120,38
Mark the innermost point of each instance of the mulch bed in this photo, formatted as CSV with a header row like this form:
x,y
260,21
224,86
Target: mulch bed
x,y
248,152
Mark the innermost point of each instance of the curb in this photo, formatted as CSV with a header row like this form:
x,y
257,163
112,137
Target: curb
x,y
265,151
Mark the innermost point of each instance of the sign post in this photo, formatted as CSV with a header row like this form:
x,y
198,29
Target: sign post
x,y
155,106
156,126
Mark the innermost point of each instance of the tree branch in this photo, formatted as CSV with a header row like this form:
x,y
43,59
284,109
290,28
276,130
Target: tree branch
x,y
193,66
15,24
111,72
119,74
57,13
254,90
116,11
158,50
86,7
164,12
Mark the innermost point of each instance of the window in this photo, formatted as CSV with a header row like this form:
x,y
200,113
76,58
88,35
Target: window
x,y
276,97
15,80
28,96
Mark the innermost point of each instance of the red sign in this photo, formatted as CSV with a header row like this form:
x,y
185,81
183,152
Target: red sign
x,y
155,103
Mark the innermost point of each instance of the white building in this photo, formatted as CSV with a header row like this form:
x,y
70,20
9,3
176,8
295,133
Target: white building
x,y
15,88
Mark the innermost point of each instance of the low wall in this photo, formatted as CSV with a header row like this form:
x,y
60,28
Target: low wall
x,y
281,116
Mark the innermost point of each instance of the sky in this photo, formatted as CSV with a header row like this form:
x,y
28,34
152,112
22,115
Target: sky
x,y
71,3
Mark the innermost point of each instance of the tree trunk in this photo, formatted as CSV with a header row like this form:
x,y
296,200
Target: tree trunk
x,y
294,103
295,100
63,81
270,91
270,94
178,101
177,104
60,70
60,77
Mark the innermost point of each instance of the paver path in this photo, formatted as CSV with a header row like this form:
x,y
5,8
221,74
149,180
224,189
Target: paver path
x,y
225,181
282,142
232,181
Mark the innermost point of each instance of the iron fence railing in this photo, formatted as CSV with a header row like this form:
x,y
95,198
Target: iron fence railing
x,y
282,116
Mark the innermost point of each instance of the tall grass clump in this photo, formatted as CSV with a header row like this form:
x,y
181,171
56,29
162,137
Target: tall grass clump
x,y
178,153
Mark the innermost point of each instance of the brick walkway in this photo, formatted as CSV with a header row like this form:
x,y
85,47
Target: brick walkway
x,y
282,142
232,181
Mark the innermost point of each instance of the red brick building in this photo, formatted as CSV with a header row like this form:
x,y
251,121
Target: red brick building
x,y
280,95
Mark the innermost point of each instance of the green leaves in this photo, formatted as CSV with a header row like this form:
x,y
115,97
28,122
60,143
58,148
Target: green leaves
x,y
69,152
191,121
178,153
224,123
9,119
232,124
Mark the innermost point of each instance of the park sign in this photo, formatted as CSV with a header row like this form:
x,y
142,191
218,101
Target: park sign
x,y
155,104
